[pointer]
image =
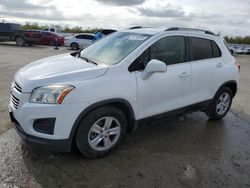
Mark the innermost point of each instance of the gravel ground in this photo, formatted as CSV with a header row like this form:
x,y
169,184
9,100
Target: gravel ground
x,y
185,152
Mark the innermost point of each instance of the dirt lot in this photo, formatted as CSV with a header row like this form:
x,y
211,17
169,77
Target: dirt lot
x,y
192,152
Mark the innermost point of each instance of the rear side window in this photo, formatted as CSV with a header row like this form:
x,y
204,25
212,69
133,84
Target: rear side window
x,y
201,49
88,37
170,50
204,49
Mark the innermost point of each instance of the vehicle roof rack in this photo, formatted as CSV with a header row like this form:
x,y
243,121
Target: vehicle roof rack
x,y
139,27
136,27
189,29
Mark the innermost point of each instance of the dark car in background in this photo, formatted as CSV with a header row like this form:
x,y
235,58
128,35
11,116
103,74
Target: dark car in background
x,y
14,32
50,38
108,31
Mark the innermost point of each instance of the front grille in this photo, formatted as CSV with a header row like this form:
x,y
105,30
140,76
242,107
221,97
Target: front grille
x,y
18,88
14,101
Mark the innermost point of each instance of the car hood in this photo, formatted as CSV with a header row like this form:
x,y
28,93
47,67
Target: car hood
x,y
57,69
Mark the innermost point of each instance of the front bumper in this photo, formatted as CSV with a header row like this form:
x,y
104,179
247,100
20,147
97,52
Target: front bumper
x,y
28,119
63,145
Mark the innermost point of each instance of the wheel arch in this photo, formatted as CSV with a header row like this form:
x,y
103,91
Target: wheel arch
x,y
121,104
232,84
74,43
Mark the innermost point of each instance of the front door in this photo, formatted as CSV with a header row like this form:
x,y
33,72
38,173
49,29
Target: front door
x,y
164,92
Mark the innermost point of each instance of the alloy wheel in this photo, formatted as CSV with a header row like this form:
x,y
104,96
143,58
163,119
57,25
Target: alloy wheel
x,y
223,103
104,133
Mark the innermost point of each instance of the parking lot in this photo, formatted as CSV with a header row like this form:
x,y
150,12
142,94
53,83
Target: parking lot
x,y
183,152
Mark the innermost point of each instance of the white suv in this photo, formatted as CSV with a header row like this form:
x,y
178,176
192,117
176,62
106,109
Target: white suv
x,y
91,98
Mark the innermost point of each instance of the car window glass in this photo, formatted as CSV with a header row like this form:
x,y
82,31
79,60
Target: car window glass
x,y
216,50
114,48
141,62
170,50
78,36
201,48
88,37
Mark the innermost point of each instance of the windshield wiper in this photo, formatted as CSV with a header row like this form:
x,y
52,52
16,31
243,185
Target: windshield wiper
x,y
88,60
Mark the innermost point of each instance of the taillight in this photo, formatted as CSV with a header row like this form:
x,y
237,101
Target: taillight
x,y
238,65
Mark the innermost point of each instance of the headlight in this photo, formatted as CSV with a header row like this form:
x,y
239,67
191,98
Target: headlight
x,y
53,94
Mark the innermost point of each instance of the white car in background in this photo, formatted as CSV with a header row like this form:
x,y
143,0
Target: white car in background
x,y
79,40
246,51
239,50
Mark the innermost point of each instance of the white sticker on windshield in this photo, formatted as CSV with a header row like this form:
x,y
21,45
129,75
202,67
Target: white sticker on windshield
x,y
137,37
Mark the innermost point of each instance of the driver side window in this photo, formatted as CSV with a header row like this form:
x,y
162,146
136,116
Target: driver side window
x,y
170,50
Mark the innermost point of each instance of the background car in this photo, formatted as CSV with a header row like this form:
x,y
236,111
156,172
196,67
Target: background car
x,y
239,50
14,32
79,40
49,38
246,51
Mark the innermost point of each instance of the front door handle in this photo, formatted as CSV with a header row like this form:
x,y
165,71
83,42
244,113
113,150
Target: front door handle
x,y
219,65
184,75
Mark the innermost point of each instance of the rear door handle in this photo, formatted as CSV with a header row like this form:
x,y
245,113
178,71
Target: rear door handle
x,y
219,65
184,75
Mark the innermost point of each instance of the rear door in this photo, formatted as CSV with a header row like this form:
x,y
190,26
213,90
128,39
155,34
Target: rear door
x,y
206,64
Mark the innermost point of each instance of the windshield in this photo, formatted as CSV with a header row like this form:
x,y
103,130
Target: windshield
x,y
113,48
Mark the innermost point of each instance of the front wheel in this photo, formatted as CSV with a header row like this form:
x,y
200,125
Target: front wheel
x,y
220,104
101,131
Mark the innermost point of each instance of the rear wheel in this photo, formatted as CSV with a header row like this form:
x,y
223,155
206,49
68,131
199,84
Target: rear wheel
x,y
20,41
74,46
221,104
101,131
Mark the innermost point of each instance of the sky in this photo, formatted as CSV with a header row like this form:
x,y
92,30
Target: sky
x,y
228,17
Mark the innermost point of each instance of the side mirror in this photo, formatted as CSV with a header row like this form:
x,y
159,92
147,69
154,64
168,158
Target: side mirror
x,y
152,67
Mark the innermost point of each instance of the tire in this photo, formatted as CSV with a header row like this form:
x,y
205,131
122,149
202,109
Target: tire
x,y
92,140
74,46
221,104
20,41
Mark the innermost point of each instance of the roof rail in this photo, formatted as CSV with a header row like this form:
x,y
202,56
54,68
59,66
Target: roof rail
x,y
189,29
136,27
139,27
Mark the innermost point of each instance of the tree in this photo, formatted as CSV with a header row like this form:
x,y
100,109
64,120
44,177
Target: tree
x,y
64,29
238,40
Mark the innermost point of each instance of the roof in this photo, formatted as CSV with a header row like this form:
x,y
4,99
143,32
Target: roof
x,y
85,34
